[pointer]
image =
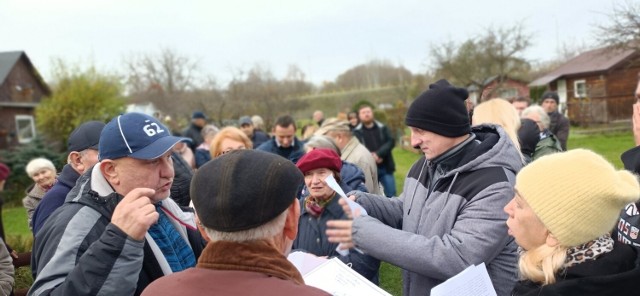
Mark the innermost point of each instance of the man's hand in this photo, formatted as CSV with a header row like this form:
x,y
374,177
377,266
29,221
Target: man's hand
x,y
376,158
135,213
339,231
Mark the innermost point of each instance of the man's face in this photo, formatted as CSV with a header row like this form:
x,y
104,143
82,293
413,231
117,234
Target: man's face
x,y
519,105
317,116
549,105
247,129
89,158
156,174
432,144
366,115
284,135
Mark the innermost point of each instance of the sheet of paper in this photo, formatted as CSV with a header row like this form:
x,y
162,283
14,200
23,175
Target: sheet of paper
x,y
305,262
338,279
331,181
333,184
473,281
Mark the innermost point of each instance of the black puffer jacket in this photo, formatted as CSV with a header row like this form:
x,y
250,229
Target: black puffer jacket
x,y
181,180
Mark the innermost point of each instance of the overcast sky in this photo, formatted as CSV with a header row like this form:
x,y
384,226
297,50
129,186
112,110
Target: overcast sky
x,y
323,37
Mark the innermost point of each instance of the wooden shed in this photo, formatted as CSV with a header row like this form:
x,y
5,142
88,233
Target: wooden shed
x,y
21,90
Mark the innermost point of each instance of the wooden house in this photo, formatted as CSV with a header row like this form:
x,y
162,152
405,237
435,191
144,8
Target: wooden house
x,y
21,90
596,86
499,87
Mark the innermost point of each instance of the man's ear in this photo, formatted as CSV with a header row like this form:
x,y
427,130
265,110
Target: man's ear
x,y
552,241
108,170
75,160
291,223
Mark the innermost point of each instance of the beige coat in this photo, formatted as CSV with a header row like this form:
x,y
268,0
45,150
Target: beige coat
x,y
356,153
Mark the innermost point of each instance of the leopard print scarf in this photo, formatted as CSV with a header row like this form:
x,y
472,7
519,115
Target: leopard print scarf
x,y
589,251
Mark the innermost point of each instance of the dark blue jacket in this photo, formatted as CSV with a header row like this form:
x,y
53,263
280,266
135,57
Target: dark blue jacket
x,y
352,176
258,138
292,153
55,197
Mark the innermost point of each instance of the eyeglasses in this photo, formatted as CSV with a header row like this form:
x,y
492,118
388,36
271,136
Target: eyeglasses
x,y
232,149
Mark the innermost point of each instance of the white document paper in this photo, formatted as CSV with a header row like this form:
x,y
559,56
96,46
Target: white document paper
x,y
333,184
305,262
331,181
338,279
473,281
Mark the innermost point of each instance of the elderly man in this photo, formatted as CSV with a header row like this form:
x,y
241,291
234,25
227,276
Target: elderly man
x,y
352,151
118,231
450,213
82,149
251,219
548,142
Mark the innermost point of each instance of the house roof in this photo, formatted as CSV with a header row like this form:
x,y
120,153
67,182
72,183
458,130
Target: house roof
x,y
597,60
8,59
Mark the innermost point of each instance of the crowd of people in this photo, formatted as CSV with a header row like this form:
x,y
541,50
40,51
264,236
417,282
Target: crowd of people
x,y
141,210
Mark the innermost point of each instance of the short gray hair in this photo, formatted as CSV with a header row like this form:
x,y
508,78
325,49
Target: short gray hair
x,y
264,231
544,117
322,142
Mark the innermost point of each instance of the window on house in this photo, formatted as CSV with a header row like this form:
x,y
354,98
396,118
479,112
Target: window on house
x,y
26,129
506,93
580,88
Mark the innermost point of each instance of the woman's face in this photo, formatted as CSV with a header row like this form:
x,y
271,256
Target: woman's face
x,y
318,188
525,227
227,145
44,177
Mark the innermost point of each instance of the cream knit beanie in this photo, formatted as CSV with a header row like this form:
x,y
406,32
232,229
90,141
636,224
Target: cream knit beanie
x,y
577,194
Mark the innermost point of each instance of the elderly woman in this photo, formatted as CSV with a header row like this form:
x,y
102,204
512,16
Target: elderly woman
x,y
564,207
227,139
320,206
352,177
43,173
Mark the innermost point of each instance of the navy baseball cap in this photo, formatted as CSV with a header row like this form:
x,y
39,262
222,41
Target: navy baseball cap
x,y
85,136
135,135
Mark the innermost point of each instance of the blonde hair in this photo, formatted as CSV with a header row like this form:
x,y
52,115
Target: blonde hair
x,y
500,112
229,132
541,264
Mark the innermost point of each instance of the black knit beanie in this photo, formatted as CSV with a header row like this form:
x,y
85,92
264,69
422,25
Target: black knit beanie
x,y
441,109
550,95
528,136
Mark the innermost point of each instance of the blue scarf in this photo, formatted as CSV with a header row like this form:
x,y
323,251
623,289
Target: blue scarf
x,y
176,251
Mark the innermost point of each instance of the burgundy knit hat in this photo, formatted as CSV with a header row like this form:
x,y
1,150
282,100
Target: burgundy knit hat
x,y
320,158
4,171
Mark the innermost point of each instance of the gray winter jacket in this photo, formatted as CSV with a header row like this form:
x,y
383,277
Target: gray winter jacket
x,y
449,216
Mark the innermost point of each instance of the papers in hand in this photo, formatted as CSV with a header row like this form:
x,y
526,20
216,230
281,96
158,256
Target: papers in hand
x,y
331,181
336,278
305,262
473,281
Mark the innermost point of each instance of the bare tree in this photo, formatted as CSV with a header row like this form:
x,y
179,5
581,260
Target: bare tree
x,y
498,52
162,79
374,74
623,29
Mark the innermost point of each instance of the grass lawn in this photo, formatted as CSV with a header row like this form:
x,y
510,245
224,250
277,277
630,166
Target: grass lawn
x,y
610,146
